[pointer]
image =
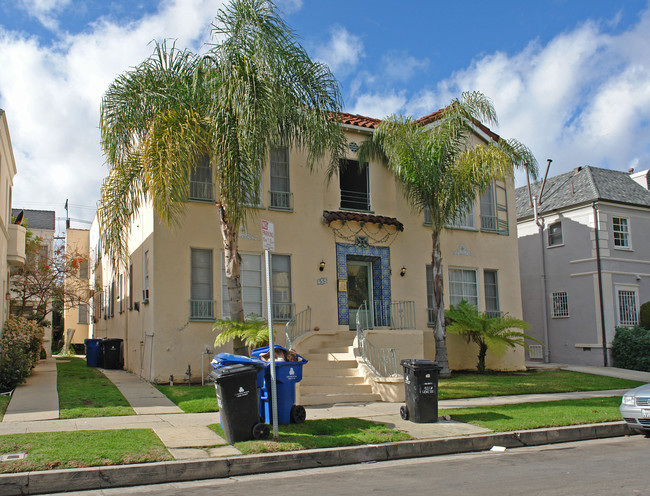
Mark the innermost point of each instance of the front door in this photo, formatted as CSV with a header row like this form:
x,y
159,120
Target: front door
x,y
360,292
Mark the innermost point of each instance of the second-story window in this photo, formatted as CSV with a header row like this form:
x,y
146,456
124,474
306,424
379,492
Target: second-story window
x,y
355,185
621,232
280,191
494,209
201,186
555,234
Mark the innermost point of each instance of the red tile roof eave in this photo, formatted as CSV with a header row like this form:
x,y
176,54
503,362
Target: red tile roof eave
x,y
330,216
372,123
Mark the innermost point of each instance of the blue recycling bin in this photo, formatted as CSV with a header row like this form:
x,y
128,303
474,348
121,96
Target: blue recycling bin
x,y
287,375
94,353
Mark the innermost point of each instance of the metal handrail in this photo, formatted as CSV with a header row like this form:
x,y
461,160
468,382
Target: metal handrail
x,y
402,315
383,362
300,324
283,312
201,190
201,309
281,200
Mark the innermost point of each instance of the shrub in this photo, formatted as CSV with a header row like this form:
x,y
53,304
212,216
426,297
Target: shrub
x,y
20,348
631,348
644,317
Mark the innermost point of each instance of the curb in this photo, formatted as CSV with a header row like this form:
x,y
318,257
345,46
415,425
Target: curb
x,y
181,471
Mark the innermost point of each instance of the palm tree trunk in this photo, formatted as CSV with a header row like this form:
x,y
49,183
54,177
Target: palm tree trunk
x,y
438,309
232,265
481,358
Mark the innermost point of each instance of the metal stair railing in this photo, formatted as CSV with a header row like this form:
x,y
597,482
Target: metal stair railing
x,y
382,361
300,324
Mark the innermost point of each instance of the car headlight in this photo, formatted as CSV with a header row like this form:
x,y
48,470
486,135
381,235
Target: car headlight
x,y
628,399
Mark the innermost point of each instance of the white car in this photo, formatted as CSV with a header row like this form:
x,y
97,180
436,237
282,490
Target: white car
x,y
635,408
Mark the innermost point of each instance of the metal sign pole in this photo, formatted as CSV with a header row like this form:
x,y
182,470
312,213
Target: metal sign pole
x,y
268,242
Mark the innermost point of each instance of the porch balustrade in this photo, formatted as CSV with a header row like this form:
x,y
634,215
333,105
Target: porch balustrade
x,y
383,362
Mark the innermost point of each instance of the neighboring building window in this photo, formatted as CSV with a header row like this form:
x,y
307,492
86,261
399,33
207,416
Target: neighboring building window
x,y
201,294
145,290
464,220
560,304
355,185
281,288
83,270
112,301
463,285
83,313
555,234
120,291
621,232
491,285
201,186
280,187
628,309
97,305
252,278
429,275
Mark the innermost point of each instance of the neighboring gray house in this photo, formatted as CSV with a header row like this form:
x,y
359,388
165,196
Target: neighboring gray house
x,y
589,243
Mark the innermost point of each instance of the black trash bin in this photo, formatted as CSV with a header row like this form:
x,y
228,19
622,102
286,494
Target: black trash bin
x,y
113,353
421,391
238,401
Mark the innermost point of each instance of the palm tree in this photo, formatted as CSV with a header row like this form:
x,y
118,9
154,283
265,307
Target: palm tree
x,y
488,332
438,170
255,88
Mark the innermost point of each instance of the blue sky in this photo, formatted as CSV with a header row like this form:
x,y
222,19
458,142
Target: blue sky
x,y
571,79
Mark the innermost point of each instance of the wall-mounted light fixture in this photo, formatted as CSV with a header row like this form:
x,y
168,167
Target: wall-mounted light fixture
x,y
402,272
321,265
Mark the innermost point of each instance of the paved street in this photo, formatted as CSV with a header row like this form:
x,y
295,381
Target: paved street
x,y
601,467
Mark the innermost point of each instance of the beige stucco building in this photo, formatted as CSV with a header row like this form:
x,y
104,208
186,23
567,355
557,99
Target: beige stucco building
x,y
337,244
77,316
12,236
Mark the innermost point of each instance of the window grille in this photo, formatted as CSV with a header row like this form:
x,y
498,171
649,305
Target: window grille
x,y
560,304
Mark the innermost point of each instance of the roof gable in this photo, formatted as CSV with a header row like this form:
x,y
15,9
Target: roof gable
x,y
37,219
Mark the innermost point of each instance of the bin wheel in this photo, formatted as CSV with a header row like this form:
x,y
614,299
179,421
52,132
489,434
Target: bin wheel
x,y
404,412
298,414
261,431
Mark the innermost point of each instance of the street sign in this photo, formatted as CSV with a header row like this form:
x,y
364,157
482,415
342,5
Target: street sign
x,y
268,235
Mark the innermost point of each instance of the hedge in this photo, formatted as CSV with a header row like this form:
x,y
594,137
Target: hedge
x,y
631,348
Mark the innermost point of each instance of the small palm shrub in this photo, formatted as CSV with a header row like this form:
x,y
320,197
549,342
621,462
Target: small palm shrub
x,y
254,332
20,349
631,348
489,333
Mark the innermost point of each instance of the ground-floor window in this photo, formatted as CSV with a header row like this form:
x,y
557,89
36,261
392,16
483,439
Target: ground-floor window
x,y
560,301
463,285
628,308
491,287
201,296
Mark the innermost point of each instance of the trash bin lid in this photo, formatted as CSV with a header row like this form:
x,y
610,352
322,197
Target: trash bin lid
x,y
221,360
419,364
236,369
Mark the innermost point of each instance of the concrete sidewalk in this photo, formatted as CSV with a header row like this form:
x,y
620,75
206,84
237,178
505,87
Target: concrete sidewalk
x,y
37,399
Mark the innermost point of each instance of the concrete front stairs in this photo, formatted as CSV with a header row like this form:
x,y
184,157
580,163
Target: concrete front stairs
x,y
332,374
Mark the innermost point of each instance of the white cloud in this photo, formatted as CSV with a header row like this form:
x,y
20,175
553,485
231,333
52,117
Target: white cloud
x,y
52,94
289,6
342,51
44,10
379,105
398,66
583,98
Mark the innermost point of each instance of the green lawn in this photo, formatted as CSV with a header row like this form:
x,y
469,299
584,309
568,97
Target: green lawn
x,y
192,399
58,450
4,402
326,433
86,392
535,415
469,385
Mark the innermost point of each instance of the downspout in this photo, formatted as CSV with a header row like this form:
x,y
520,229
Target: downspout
x,y
594,205
540,223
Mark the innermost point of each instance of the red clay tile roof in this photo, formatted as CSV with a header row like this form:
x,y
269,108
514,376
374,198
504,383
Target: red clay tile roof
x,y
330,216
359,120
372,123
